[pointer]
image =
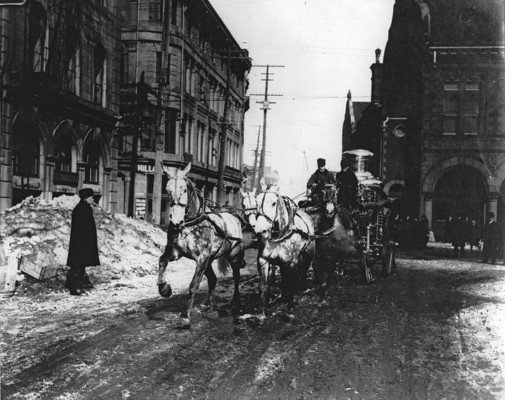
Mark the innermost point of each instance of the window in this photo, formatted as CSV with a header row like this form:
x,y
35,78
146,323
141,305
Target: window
x,y
158,66
187,83
461,109
173,17
188,139
450,109
91,157
26,153
123,66
38,38
170,132
99,74
470,109
201,147
155,10
63,154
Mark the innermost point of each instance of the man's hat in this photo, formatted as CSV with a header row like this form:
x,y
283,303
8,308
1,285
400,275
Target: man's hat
x,y
85,193
345,162
321,162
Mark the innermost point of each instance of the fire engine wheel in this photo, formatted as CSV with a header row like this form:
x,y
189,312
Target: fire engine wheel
x,y
366,264
388,259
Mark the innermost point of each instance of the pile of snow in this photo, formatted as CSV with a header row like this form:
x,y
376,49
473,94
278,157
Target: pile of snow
x,y
127,247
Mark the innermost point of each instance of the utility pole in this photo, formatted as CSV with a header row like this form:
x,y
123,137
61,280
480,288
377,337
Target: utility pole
x,y
265,108
164,81
255,166
224,126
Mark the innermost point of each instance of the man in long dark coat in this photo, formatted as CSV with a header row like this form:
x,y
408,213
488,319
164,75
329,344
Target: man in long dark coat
x,y
83,248
490,236
347,185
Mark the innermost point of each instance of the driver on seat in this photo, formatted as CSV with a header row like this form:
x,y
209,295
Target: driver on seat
x,y
347,185
317,181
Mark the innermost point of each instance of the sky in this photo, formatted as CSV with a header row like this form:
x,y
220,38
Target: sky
x,y
324,49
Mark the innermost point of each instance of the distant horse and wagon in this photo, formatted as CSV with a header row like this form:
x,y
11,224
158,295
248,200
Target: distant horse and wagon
x,y
286,236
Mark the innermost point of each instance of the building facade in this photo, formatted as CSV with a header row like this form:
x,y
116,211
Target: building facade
x,y
189,78
59,100
463,158
441,129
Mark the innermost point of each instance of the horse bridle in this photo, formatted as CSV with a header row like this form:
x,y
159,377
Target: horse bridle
x,y
175,196
262,213
247,210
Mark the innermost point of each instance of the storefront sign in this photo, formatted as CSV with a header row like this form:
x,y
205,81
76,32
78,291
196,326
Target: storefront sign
x,y
66,178
140,208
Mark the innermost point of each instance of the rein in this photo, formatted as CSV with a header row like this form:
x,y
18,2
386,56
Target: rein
x,y
288,229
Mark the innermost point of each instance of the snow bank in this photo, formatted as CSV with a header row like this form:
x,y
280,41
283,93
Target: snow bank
x,y
127,247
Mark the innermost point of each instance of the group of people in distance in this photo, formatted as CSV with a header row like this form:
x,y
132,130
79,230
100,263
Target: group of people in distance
x,y
412,233
462,231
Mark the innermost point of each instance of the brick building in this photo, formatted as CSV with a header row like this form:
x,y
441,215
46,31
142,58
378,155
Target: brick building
x,y
193,82
442,94
59,75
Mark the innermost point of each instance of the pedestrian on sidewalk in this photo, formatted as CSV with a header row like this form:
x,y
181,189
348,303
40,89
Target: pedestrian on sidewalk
x,y
475,235
83,248
490,236
459,236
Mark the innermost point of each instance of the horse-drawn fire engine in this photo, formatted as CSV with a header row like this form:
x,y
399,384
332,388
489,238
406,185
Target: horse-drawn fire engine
x,y
372,219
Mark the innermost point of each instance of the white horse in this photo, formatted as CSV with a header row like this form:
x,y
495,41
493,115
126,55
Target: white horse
x,y
287,236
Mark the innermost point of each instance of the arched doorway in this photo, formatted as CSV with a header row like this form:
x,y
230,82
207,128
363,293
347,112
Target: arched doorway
x,y
460,190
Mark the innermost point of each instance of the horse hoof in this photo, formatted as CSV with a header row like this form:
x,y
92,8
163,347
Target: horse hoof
x,y
165,289
324,303
185,323
290,317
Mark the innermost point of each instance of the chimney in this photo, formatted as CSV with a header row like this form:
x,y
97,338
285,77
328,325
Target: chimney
x,y
377,79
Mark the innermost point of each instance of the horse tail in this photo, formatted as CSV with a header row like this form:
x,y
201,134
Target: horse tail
x,y
222,265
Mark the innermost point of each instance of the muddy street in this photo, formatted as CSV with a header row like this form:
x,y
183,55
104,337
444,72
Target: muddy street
x,y
432,330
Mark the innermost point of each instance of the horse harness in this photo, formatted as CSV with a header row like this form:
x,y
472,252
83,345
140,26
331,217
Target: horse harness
x,y
288,230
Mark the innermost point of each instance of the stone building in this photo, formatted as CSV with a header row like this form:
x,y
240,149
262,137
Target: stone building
x,y
463,158
59,99
442,96
189,77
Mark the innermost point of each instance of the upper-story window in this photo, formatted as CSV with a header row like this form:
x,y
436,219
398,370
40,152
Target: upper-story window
x,y
173,16
99,80
155,10
158,66
38,38
72,61
187,80
461,109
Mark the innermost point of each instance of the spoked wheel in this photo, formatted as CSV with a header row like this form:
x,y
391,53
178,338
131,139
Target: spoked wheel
x,y
388,259
366,265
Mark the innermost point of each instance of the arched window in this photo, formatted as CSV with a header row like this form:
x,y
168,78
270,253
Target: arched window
x,y
26,152
91,156
72,61
63,154
99,74
38,39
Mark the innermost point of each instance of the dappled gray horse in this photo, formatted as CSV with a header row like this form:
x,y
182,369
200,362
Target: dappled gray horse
x,y
202,236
